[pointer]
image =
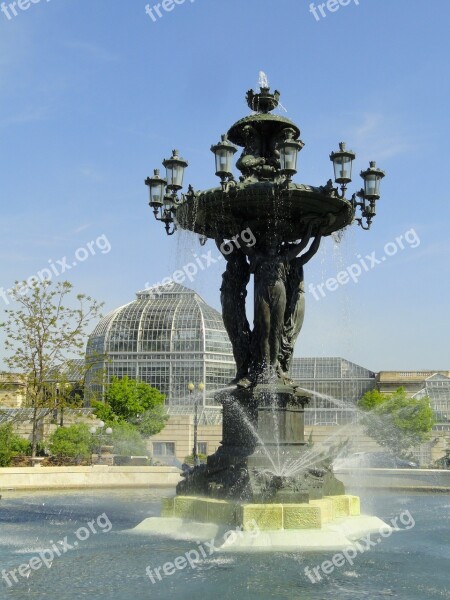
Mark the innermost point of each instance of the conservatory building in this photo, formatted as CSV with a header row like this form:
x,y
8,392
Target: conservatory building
x,y
167,339
337,385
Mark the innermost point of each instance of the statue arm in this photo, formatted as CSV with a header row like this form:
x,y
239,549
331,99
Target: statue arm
x,y
304,258
294,249
219,244
326,221
237,250
247,250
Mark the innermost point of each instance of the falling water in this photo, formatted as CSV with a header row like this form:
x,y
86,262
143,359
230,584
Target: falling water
x,y
251,427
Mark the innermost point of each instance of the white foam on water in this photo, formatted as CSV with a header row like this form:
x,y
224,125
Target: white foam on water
x,y
333,536
351,574
30,550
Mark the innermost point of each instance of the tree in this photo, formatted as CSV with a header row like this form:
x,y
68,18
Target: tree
x,y
371,400
127,440
134,402
74,441
68,386
43,333
396,421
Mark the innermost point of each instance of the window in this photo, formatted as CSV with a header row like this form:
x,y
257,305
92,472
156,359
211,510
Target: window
x,y
163,448
202,447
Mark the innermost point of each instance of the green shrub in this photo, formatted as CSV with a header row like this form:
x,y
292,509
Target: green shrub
x,y
72,442
11,444
189,460
20,446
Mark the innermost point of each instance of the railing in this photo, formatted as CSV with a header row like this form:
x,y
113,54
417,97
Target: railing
x,y
394,375
329,417
27,414
207,415
10,379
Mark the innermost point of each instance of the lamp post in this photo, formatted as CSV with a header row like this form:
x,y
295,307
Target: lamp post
x,y
101,428
191,388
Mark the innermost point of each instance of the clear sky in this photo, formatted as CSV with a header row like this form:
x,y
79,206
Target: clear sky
x,y
95,93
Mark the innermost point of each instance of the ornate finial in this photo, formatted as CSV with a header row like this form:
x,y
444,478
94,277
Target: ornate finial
x,y
264,102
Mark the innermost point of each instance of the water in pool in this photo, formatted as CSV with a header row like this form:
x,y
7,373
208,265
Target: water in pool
x,y
101,559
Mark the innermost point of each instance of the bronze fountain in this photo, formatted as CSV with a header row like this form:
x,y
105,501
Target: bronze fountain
x,y
263,409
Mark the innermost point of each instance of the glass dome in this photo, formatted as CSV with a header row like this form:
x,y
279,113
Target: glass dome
x,y
165,338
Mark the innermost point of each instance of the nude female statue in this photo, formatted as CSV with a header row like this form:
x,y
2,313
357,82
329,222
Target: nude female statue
x,y
233,293
265,354
278,302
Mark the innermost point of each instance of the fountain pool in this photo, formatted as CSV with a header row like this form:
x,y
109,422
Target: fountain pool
x,y
408,565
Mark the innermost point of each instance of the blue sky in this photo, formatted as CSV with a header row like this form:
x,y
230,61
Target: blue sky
x,y
93,95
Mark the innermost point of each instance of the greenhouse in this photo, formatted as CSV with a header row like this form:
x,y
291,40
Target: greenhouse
x,y
167,339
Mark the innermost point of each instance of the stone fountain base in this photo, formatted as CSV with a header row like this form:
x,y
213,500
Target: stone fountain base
x,y
331,523
265,517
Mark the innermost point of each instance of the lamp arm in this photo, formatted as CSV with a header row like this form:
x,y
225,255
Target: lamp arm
x,y
229,186
365,212
361,224
167,227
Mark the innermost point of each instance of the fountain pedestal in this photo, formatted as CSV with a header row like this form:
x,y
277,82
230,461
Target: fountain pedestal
x,y
263,457
265,419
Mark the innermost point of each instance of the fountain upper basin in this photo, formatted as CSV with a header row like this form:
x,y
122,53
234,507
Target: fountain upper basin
x,y
218,215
